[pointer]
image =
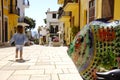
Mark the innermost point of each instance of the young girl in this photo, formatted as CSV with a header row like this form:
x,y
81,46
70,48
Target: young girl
x,y
20,39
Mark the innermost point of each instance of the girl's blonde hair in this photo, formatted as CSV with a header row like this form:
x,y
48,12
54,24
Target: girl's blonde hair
x,y
20,29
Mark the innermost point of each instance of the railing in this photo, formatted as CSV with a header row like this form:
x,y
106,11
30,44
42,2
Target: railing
x,y
61,13
69,1
13,9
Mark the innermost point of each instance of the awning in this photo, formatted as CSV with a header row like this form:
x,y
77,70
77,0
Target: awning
x,y
23,24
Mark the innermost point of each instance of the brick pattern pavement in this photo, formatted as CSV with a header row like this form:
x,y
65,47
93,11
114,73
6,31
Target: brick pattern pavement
x,y
40,63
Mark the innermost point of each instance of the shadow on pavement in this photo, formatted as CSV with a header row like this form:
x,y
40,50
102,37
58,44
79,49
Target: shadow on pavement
x,y
19,61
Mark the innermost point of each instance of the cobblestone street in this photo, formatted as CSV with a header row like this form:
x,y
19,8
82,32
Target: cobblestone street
x,y
40,63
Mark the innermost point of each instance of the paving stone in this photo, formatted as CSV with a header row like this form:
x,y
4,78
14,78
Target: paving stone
x,y
45,62
3,63
23,64
40,63
54,77
28,72
19,77
65,66
53,71
4,75
70,77
40,77
42,67
65,70
15,67
73,70
63,62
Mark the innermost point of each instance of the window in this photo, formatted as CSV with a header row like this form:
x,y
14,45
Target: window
x,y
51,29
91,10
54,16
56,29
0,13
19,11
107,8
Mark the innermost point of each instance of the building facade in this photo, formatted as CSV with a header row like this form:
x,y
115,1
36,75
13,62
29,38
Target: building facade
x,y
10,12
0,20
16,15
69,14
78,13
4,20
22,4
55,26
13,17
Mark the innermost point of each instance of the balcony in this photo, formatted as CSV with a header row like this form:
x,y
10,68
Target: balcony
x,y
60,11
13,9
26,3
64,15
21,19
70,5
60,1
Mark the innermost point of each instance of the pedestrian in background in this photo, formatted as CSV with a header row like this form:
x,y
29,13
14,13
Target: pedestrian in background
x,y
20,39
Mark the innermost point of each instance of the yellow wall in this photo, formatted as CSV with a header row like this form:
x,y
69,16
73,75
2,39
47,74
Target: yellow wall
x,y
0,22
0,10
12,23
5,3
98,9
67,25
5,7
76,16
0,5
67,32
83,9
117,10
13,20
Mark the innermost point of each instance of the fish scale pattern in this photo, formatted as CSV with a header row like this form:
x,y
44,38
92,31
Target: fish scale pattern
x,y
95,48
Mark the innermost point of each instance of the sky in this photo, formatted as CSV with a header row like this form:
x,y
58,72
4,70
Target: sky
x,y
38,8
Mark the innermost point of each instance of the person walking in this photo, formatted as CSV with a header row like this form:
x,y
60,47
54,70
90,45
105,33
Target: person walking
x,y
20,39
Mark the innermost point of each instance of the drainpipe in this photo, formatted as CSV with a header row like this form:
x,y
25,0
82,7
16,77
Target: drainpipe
x,y
79,14
2,20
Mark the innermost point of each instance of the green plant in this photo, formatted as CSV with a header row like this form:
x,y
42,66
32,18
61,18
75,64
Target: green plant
x,y
108,59
74,30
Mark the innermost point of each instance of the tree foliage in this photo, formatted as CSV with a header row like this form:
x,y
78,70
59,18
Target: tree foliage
x,y
29,21
39,29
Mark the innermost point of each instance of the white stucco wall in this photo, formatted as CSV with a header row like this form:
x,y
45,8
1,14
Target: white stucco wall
x,y
21,7
55,22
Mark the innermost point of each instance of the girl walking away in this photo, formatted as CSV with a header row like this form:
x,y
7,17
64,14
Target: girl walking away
x,y
20,39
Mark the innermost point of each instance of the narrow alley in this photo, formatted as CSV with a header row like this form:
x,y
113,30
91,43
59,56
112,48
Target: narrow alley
x,y
40,63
